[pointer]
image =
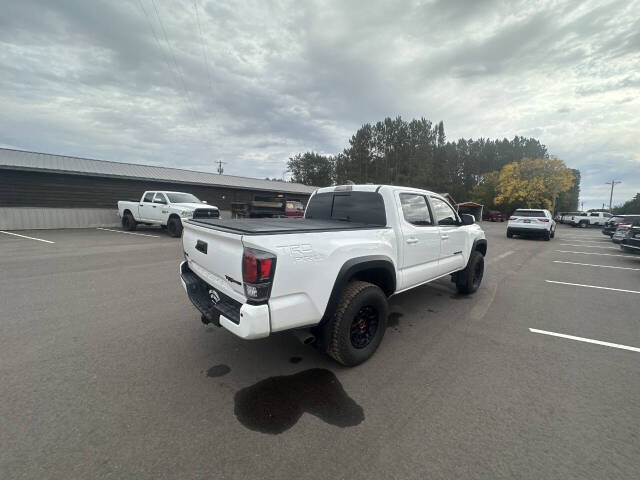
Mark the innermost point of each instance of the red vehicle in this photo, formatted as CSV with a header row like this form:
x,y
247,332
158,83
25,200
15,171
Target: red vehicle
x,y
494,216
294,209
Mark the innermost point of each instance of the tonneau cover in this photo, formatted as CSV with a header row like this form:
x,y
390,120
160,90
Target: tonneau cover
x,y
271,226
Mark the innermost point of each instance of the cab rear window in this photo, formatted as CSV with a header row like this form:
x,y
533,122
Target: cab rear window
x,y
357,207
529,213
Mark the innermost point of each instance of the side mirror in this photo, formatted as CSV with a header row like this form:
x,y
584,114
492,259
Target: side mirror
x,y
467,219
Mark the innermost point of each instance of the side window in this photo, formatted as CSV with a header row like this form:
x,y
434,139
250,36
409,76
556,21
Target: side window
x,y
415,209
594,214
443,212
160,198
148,197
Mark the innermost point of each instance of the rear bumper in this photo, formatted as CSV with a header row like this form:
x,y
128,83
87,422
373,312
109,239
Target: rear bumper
x,y
244,320
528,230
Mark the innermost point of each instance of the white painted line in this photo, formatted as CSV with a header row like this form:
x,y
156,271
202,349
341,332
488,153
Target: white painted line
x,y
585,246
586,340
24,236
593,286
595,253
128,233
501,256
592,265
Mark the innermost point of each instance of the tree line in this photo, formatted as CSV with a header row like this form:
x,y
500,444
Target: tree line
x,y
417,154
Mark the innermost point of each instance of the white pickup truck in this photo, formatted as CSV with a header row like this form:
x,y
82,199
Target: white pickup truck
x,y
584,220
328,275
167,209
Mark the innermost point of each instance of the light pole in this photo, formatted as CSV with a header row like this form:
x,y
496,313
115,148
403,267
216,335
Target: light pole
x,y
613,183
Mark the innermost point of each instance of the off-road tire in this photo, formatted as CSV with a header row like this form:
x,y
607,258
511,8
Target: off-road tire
x,y
128,222
469,279
356,296
174,227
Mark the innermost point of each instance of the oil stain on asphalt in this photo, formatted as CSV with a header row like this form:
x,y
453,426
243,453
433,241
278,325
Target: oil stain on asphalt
x,y
274,405
394,319
218,370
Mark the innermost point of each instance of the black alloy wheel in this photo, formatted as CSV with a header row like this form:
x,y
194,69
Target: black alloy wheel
x,y
364,326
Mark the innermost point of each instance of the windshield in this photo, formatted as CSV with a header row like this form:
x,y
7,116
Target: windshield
x,y
182,198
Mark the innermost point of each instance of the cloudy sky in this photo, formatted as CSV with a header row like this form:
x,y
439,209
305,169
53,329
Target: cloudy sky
x,y
187,83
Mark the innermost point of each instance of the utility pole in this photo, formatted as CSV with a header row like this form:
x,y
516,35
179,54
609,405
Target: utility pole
x,y
613,183
220,169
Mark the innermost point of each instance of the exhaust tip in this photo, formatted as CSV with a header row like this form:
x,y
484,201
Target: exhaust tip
x,y
305,336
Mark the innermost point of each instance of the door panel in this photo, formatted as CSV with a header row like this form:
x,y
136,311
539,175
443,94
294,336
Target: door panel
x,y
144,207
420,249
157,208
452,235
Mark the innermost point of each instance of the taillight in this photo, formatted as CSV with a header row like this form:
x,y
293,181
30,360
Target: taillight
x,y
258,268
543,220
512,218
623,224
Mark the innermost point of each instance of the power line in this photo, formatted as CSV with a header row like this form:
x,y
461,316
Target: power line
x,y
204,48
175,62
164,57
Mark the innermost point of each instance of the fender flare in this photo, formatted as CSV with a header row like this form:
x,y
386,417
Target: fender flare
x,y
352,267
480,244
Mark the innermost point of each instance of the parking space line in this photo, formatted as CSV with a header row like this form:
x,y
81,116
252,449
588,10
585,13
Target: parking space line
x,y
596,253
592,265
585,246
24,236
128,233
593,286
586,340
501,256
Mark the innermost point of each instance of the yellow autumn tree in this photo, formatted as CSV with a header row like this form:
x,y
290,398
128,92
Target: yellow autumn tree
x,y
532,183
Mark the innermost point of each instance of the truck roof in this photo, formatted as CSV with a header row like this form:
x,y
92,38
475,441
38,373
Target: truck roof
x,y
370,187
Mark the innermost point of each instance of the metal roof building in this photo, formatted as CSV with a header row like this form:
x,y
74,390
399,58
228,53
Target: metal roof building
x,y
39,190
44,162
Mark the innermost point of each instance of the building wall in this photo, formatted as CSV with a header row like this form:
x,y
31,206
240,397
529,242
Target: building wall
x,y
54,200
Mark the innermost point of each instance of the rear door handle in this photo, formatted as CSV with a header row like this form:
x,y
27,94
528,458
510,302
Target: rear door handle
x,y
412,240
445,237
154,206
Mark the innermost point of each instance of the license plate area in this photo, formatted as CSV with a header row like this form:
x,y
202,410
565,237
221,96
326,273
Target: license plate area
x,y
210,301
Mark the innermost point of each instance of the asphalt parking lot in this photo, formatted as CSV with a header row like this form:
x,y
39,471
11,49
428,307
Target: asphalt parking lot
x,y
107,372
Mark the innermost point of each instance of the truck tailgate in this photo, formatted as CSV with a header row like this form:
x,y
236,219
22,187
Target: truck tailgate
x,y
216,257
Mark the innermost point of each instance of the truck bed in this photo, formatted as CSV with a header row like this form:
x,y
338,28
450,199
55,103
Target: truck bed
x,y
272,226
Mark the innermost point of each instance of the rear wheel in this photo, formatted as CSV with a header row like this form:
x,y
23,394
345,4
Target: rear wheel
x,y
469,279
547,235
509,233
358,325
552,234
174,226
583,224
128,222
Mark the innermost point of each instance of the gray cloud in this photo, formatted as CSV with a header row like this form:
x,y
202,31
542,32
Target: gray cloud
x,y
99,79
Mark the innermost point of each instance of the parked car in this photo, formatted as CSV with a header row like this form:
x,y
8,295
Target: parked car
x,y
531,222
588,219
630,241
294,209
623,227
611,225
167,209
494,216
328,276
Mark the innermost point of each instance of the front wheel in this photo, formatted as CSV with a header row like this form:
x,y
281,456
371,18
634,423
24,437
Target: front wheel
x,y
469,279
174,226
509,233
128,222
358,325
